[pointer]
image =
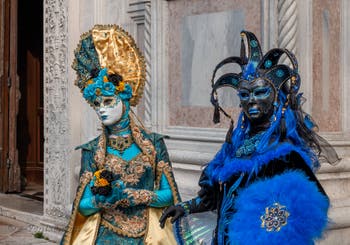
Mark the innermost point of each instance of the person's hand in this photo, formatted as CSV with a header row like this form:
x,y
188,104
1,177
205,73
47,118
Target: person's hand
x,y
173,211
115,195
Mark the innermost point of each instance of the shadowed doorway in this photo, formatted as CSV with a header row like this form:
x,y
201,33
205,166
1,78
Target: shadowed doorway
x,y
30,113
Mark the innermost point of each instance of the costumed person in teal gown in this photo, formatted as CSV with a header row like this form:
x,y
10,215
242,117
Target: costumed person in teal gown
x,y
126,177
261,183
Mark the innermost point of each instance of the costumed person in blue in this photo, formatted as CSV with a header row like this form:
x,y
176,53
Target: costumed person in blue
x,y
261,182
126,178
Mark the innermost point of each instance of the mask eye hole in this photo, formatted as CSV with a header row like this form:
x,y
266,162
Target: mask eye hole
x,y
243,95
262,92
97,103
107,102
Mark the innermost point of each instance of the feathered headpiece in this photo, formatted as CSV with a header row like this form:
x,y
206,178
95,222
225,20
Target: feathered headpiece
x,y
108,62
289,121
253,66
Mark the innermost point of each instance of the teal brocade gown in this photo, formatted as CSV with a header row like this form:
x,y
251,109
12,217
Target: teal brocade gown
x,y
148,181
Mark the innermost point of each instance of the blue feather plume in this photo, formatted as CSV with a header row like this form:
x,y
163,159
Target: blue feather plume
x,y
249,71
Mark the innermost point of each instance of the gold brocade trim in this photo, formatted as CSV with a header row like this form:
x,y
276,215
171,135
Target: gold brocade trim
x,y
100,154
130,171
120,143
146,145
160,166
124,232
118,53
84,180
164,167
141,196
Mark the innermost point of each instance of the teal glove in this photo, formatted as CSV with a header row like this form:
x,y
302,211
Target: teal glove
x,y
116,194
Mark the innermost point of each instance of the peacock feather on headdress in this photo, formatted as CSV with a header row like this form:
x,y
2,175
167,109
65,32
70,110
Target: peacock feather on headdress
x,y
107,61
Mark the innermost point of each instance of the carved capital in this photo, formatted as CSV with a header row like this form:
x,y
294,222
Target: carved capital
x,y
137,10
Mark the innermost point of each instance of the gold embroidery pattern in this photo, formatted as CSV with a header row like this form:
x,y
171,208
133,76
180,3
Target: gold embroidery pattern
x,y
122,224
161,167
166,169
86,177
146,145
120,143
140,196
100,151
129,172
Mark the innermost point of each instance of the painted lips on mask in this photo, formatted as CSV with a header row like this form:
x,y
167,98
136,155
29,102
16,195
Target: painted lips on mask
x,y
253,111
257,100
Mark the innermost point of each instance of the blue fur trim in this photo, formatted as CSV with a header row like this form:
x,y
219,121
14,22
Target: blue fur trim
x,y
306,206
223,166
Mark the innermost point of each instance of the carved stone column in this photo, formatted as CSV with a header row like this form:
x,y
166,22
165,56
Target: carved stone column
x,y
287,24
56,124
140,13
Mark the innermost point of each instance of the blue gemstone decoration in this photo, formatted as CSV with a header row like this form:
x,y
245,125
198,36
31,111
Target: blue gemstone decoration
x,y
253,43
255,54
279,73
234,81
268,63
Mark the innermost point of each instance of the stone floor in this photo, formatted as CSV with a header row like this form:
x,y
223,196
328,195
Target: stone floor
x,y
19,218
21,203
13,232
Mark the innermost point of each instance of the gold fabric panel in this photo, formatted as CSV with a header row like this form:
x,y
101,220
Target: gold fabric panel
x,y
88,229
156,235
118,53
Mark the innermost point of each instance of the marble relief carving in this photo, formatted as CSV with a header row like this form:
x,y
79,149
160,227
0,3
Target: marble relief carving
x,y
198,40
206,38
326,108
56,128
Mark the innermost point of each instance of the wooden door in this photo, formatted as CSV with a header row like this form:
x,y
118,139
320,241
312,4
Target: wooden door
x,y
30,115
9,166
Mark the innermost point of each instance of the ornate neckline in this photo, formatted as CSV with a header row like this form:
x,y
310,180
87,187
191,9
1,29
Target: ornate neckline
x,y
120,143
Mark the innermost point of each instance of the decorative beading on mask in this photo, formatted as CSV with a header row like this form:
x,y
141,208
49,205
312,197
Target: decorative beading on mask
x,y
108,63
288,121
256,66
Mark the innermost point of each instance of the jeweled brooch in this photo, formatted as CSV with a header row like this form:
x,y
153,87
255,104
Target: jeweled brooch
x,y
274,218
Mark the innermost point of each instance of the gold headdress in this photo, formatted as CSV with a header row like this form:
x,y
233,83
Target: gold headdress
x,y
109,48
